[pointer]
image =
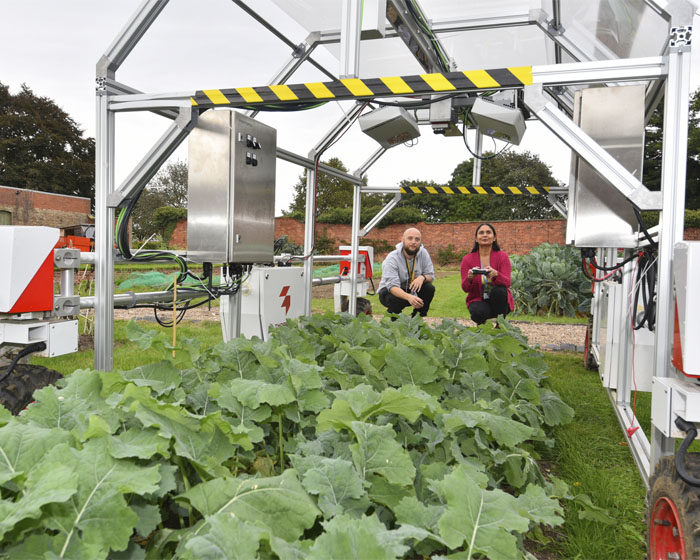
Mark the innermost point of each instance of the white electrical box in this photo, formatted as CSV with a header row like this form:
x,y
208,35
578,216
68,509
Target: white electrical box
x,y
686,280
269,297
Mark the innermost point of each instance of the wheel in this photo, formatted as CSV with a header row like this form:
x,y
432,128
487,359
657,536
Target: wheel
x,y
17,390
673,512
362,307
588,357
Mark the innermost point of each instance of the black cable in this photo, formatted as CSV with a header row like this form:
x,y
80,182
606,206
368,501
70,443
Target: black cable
x,y
29,349
411,104
646,284
466,143
374,290
644,229
270,108
615,267
587,274
690,432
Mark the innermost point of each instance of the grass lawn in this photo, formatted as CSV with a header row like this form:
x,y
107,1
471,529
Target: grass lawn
x,y
590,453
449,302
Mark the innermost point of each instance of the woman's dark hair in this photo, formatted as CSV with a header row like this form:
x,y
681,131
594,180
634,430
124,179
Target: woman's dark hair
x,y
494,246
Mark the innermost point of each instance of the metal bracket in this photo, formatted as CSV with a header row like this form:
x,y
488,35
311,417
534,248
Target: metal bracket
x,y
554,29
299,50
681,36
66,258
101,85
66,306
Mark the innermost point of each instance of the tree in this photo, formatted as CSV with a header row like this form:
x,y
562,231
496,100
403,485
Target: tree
x,y
42,148
653,144
331,193
168,188
507,170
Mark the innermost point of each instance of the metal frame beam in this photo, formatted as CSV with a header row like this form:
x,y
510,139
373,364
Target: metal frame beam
x,y
154,159
315,154
673,177
605,164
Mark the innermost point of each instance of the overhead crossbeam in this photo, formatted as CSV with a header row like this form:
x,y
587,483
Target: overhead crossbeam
x,y
476,190
356,88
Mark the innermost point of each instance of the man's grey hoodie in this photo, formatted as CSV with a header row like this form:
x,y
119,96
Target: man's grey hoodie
x,y
395,268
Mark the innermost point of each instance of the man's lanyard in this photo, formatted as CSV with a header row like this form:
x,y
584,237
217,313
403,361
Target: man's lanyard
x,y
411,269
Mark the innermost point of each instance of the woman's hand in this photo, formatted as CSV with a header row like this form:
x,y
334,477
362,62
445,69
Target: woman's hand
x,y
491,274
470,275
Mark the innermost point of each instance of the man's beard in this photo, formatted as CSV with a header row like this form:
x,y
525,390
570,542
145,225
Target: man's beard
x,y
411,252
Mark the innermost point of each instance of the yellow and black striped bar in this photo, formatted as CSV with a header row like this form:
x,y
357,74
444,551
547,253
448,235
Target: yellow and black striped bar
x,y
475,190
355,88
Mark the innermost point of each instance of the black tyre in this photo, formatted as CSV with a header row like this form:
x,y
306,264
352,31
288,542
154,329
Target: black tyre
x,y
588,357
17,390
673,512
363,306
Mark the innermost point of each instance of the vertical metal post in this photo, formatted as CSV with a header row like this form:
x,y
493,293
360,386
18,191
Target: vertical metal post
x,y
309,235
673,176
476,169
356,207
67,282
104,234
351,24
311,177
624,389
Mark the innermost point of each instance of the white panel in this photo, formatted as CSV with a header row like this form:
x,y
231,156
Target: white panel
x,y
63,338
269,297
325,15
686,272
23,249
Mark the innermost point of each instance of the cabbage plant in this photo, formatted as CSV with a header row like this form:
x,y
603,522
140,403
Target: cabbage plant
x,y
549,281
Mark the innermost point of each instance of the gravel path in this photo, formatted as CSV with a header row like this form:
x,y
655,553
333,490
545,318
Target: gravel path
x,y
547,336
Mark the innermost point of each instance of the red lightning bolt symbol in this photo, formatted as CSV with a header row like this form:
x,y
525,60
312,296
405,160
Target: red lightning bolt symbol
x,y
287,301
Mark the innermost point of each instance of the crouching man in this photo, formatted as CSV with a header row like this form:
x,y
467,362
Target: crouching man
x,y
407,276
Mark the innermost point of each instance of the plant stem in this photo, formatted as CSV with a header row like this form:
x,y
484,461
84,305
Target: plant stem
x,y
281,444
186,482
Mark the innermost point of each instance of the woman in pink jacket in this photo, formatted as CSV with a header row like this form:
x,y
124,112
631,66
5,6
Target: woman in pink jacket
x,y
486,277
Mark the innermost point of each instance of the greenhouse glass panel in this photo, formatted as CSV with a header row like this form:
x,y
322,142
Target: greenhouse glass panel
x,y
608,29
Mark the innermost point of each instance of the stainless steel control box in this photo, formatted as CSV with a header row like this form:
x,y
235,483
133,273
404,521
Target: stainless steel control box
x,y
231,189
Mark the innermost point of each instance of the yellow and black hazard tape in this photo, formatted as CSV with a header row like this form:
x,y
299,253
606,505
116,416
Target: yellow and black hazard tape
x,y
475,190
355,88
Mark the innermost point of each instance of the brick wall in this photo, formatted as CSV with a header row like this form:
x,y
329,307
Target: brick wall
x,y
516,238
34,208
178,240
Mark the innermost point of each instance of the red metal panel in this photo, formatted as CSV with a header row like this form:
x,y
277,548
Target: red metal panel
x,y
38,295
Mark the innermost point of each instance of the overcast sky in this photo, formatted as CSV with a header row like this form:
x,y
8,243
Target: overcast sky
x,y
53,46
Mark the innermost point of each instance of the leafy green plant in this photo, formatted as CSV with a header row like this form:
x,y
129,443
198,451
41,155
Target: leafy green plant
x,y
166,218
381,246
403,439
449,255
284,245
549,281
325,244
